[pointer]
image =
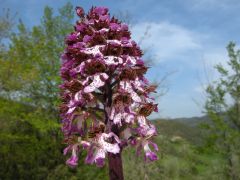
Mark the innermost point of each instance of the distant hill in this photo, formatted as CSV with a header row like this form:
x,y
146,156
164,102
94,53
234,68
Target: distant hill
x,y
193,121
187,128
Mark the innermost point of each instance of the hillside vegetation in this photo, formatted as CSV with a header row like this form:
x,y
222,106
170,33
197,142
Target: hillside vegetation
x,y
31,148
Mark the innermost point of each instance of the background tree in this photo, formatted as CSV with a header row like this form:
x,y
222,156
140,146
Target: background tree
x,y
32,62
223,108
29,139
6,25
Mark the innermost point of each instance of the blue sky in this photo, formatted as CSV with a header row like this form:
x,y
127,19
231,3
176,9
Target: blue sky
x,y
185,39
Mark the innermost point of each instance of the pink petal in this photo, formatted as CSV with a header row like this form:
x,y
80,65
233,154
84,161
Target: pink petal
x,y
142,120
85,144
72,161
70,110
135,97
65,151
155,146
112,60
111,134
97,82
151,156
100,162
100,153
129,118
117,118
95,155
113,148
146,147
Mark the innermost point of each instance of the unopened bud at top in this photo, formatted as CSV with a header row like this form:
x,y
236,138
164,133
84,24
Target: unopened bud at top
x,y
79,11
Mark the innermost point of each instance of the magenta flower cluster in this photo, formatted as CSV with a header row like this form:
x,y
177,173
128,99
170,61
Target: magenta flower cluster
x,y
105,96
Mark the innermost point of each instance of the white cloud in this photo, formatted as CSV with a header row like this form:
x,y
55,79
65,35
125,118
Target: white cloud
x,y
193,54
167,41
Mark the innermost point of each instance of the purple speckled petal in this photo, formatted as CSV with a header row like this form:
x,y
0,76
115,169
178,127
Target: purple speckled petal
x,y
72,162
80,27
151,156
155,146
90,156
142,120
114,26
98,81
117,118
109,147
105,18
87,38
146,130
95,155
72,37
100,10
85,144
65,151
99,154
129,118
79,45
100,162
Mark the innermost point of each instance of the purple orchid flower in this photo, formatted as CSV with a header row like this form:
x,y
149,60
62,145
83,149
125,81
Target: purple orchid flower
x,y
105,95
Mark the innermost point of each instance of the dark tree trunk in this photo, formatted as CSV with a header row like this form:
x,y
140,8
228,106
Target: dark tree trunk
x,y
115,166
